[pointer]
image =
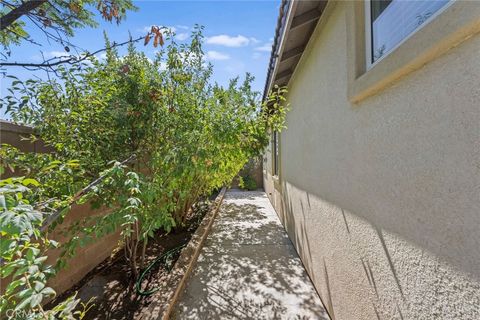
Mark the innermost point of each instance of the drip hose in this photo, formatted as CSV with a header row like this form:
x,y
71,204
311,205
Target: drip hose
x,y
166,260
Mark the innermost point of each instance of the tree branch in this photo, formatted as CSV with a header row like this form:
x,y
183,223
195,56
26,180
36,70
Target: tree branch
x,y
19,11
51,218
70,60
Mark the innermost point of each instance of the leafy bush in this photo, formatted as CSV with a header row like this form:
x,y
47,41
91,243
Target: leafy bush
x,y
177,135
23,251
247,182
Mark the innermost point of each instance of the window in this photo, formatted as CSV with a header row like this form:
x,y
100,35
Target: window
x,y
275,153
438,27
389,22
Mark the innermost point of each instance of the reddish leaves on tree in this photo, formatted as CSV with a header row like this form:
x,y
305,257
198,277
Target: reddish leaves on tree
x,y
154,95
74,7
109,10
157,37
125,68
147,39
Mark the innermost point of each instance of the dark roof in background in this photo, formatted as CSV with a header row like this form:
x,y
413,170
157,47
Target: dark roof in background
x,y
296,21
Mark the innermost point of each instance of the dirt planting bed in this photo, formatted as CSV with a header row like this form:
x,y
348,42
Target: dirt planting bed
x,y
110,284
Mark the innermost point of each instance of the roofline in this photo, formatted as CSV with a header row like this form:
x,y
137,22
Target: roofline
x,y
288,21
284,20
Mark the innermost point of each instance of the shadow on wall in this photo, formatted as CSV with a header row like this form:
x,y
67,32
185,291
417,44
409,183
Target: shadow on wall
x,y
242,272
298,235
298,231
442,220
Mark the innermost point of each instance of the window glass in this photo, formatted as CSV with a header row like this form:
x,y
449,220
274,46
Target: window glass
x,y
393,20
275,153
378,6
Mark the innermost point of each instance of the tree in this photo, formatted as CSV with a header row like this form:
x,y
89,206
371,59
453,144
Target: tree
x,y
57,19
189,135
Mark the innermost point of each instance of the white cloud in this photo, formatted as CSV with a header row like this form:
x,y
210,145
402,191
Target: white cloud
x,y
56,54
188,55
170,28
215,55
228,41
53,55
102,56
254,40
182,36
267,47
179,26
163,66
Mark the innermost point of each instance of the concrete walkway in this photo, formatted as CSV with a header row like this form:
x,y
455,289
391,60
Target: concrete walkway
x,y
248,268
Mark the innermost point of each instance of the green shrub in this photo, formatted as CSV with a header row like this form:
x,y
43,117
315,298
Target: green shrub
x,y
185,136
24,253
247,182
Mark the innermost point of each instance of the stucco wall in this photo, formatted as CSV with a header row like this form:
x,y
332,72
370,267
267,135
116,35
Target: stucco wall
x,y
382,198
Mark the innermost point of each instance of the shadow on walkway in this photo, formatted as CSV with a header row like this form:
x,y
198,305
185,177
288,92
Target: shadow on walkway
x,y
248,268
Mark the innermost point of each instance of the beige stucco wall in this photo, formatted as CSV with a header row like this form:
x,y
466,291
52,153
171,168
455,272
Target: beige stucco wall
x,y
382,198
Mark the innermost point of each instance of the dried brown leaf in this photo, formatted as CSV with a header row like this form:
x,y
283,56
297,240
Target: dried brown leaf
x,y
74,7
147,39
161,42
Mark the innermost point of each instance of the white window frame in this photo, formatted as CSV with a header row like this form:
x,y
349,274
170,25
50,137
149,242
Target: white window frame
x,y
369,35
275,154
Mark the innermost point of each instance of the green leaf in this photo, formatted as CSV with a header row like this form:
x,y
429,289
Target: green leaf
x,y
36,299
38,286
7,270
13,285
47,291
23,303
27,182
3,203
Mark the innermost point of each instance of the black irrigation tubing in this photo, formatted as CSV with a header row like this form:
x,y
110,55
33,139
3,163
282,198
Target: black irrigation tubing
x,y
166,260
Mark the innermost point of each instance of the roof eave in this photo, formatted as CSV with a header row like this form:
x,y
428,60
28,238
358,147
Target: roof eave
x,y
295,25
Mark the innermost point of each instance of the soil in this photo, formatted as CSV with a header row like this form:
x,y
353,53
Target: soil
x,y
111,285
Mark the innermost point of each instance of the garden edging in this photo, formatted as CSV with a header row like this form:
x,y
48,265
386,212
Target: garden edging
x,y
165,300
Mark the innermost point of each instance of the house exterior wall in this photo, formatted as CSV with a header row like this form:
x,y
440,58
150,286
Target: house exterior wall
x,y
381,198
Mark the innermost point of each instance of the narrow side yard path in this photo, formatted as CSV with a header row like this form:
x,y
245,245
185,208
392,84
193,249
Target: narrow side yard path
x,y
248,268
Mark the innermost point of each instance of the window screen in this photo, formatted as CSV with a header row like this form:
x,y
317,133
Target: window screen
x,y
394,20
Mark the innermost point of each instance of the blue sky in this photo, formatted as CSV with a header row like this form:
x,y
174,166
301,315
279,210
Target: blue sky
x,y
238,35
